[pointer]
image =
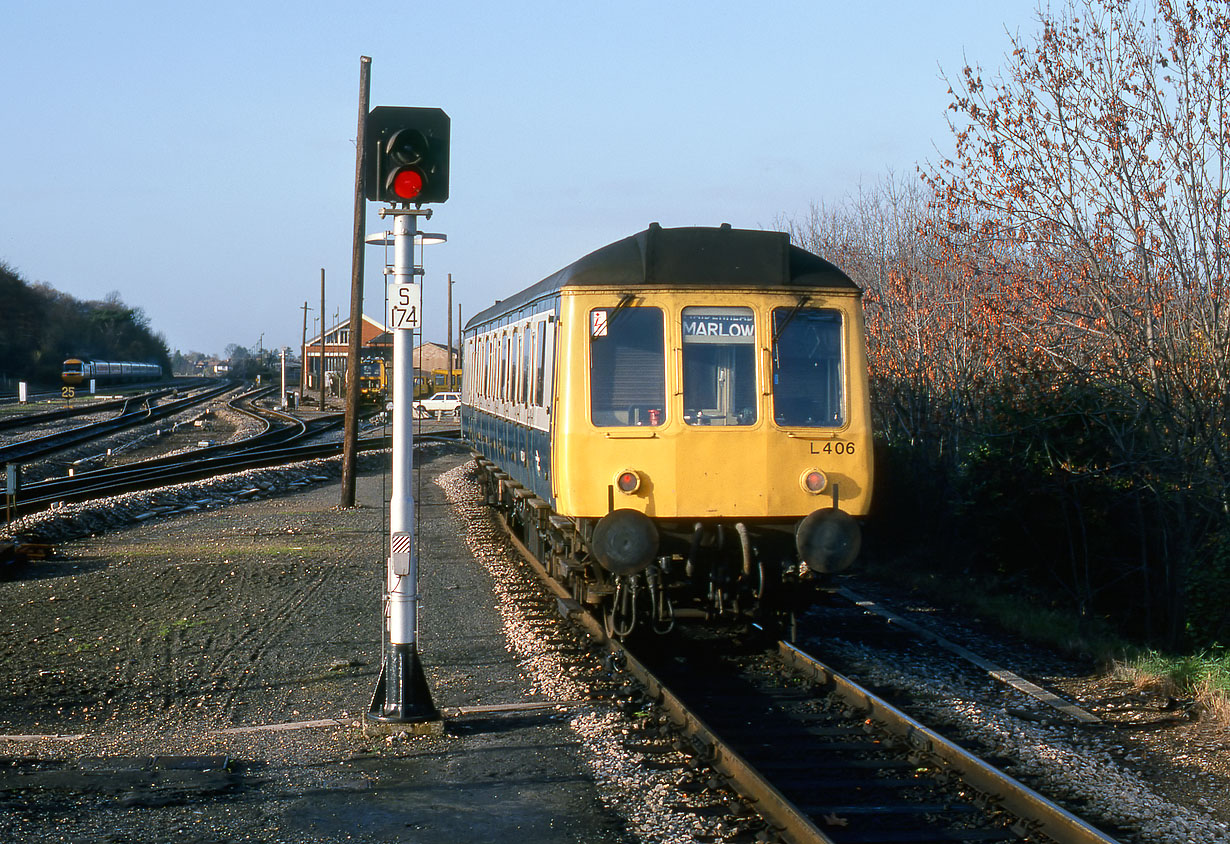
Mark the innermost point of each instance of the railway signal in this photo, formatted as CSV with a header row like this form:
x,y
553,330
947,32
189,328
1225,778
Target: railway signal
x,y
406,155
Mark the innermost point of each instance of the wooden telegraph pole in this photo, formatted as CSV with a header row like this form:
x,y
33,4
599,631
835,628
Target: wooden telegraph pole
x,y
322,338
303,358
350,441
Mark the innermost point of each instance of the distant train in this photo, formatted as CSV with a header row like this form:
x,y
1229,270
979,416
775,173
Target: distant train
x,y
373,379
677,420
78,371
446,379
374,374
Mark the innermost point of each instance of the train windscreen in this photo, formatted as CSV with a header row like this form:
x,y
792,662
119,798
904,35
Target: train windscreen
x,y
807,368
627,367
719,366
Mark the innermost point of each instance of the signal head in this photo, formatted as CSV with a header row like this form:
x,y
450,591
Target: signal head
x,y
406,155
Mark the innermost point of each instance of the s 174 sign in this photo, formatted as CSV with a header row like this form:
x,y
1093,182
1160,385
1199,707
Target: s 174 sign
x,y
405,306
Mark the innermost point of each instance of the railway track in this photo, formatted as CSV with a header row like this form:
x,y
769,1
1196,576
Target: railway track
x,y
268,449
822,759
134,411
272,445
23,420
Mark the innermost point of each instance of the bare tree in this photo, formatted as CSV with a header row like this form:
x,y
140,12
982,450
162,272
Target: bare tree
x,y
1091,178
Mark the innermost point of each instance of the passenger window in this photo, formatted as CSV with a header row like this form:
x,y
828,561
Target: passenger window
x,y
627,367
541,400
527,338
719,366
504,373
807,368
514,373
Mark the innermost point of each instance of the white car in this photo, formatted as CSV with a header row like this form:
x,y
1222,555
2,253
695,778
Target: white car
x,y
441,404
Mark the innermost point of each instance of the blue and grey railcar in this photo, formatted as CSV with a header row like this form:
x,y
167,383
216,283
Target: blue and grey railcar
x,y
677,421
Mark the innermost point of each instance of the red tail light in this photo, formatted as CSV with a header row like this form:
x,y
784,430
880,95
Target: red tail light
x,y
628,481
813,481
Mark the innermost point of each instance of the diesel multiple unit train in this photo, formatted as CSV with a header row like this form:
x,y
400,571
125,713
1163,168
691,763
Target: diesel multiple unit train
x,y
77,371
677,422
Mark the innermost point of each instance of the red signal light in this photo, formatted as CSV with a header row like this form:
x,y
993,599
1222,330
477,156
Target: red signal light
x,y
407,183
405,151
397,140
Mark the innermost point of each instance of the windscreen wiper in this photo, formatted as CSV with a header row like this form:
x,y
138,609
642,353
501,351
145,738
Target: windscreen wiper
x,y
628,299
777,331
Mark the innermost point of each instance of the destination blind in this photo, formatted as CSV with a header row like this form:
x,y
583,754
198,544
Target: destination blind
x,y
718,325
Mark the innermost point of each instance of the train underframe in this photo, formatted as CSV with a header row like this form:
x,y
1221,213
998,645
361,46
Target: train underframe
x,y
662,571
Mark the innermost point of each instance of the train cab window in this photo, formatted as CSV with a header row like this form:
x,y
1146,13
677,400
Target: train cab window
x,y
807,368
719,366
627,367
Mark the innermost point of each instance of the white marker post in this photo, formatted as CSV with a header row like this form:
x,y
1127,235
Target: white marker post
x,y
401,693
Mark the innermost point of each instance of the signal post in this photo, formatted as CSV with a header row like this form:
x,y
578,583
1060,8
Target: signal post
x,y
406,161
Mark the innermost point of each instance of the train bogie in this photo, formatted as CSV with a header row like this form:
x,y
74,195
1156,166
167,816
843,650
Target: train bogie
x,y
682,413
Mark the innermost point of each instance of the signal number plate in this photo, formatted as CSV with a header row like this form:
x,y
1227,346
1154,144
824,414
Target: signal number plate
x,y
405,306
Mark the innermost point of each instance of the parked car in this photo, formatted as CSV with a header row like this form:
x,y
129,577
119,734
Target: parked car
x,y
440,404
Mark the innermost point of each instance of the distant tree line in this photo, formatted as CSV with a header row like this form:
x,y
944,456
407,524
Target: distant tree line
x,y
1049,322
41,327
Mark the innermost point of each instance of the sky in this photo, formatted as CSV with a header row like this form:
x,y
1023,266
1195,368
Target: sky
x,y
198,159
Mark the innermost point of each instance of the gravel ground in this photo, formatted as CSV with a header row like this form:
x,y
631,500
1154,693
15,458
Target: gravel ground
x,y
195,664
1154,771
228,628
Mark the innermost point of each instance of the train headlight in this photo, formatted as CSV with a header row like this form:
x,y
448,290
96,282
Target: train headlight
x,y
628,481
813,481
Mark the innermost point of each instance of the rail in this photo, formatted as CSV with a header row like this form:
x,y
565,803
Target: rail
x,y
1015,811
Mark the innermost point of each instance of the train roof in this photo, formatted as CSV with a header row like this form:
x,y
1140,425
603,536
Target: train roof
x,y
693,256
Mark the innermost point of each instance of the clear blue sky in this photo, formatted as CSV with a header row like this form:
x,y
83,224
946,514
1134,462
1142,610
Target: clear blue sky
x,y
199,158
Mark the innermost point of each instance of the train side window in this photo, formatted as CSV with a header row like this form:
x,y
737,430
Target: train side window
x,y
719,366
518,378
542,364
510,352
480,352
474,353
526,347
491,367
807,368
627,367
514,364
502,385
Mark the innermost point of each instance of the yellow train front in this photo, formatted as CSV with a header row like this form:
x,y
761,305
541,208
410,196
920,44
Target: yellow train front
x,y
678,422
373,380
